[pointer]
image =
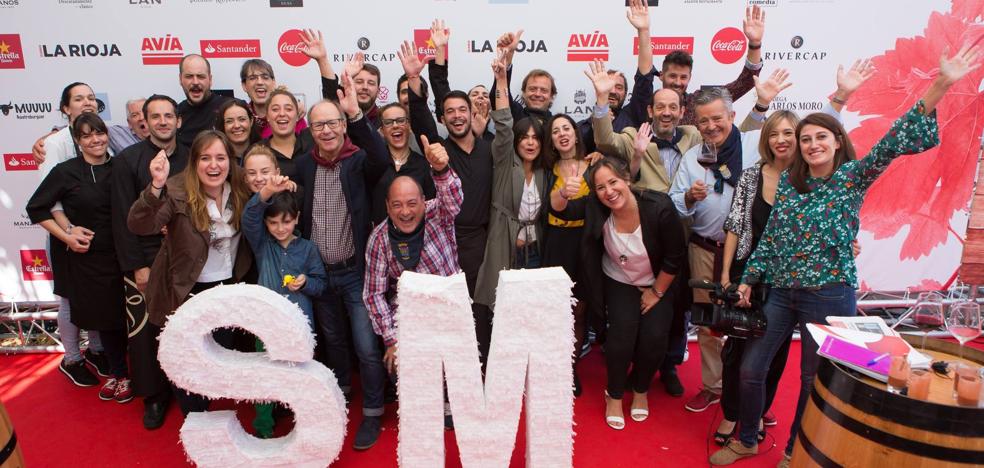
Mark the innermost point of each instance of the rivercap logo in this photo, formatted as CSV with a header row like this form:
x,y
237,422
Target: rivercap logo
x,y
165,50
11,53
291,48
362,43
19,162
587,47
796,42
665,45
728,45
230,48
35,266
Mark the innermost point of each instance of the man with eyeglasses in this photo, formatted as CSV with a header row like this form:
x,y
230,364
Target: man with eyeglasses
x,y
200,106
136,130
336,218
404,160
258,82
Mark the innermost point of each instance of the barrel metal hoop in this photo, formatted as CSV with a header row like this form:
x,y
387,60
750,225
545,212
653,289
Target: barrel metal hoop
x,y
8,449
818,457
917,414
895,442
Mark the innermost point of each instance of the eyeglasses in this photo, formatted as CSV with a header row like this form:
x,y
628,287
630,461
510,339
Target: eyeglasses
x,y
330,123
263,76
396,121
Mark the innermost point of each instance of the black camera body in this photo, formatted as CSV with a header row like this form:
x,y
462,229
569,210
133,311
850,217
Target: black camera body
x,y
727,318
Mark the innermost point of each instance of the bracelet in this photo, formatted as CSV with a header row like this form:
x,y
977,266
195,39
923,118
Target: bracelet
x,y
761,109
754,46
655,291
837,100
69,228
357,117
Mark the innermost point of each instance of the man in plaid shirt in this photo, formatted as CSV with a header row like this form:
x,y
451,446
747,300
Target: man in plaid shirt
x,y
418,236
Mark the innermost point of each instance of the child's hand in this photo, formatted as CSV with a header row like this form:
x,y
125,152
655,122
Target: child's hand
x,y
297,284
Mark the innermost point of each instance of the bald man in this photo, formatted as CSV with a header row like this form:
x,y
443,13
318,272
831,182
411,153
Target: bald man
x,y
198,110
417,236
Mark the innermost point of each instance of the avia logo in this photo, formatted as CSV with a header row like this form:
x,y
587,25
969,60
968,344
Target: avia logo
x,y
425,46
165,50
80,50
35,265
11,54
291,48
587,47
532,45
230,48
665,45
728,45
19,162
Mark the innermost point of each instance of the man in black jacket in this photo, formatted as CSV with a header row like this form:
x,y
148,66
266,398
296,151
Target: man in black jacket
x,y
198,110
131,174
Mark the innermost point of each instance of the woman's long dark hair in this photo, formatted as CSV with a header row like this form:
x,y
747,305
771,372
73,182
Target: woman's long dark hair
x,y
254,136
550,153
520,129
799,170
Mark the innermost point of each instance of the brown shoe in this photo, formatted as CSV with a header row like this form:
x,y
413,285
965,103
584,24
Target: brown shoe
x,y
784,463
733,452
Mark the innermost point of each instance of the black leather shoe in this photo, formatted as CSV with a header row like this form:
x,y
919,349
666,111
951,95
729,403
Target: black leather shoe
x,y
368,432
672,383
154,415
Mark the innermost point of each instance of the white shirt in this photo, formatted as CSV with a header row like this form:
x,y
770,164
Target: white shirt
x,y
627,260
529,208
223,240
709,214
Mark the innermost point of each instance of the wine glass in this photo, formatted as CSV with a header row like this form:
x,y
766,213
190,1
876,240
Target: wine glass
x,y
707,157
963,321
927,314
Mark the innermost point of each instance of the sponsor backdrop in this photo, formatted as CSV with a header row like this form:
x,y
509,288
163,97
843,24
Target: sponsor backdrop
x,y
912,236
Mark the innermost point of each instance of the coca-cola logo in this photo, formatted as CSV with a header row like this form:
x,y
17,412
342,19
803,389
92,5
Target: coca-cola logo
x,y
728,45
291,48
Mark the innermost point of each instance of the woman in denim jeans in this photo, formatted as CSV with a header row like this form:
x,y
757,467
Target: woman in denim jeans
x,y
805,252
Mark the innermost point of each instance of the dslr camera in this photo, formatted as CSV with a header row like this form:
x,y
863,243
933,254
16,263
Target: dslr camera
x,y
726,317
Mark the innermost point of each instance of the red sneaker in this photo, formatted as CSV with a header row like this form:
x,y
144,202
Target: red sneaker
x,y
108,390
769,419
123,391
702,401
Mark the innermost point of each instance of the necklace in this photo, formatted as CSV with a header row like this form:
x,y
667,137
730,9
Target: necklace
x,y
399,162
619,245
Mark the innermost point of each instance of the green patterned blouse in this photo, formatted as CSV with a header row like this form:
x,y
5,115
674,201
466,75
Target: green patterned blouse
x,y
807,242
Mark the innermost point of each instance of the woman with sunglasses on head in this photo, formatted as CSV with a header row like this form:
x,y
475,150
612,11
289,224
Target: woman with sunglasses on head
x,y
805,253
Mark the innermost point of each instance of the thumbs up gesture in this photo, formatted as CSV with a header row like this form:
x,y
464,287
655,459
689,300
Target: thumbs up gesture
x,y
572,183
435,153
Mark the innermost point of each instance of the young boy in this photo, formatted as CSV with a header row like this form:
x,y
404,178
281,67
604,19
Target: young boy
x,y
287,264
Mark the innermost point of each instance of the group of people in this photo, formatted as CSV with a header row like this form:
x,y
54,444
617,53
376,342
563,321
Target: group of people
x,y
330,206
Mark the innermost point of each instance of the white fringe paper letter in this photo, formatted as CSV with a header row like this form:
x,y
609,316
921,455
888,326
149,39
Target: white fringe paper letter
x,y
532,342
286,372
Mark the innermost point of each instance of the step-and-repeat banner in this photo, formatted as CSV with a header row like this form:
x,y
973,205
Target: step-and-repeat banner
x,y
913,221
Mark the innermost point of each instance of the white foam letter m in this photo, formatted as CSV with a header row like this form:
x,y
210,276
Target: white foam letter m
x,y
532,342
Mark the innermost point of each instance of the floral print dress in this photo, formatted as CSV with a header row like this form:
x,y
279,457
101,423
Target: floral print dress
x,y
807,242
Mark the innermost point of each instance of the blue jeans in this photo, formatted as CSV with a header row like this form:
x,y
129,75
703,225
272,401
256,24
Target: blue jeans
x,y
344,294
784,309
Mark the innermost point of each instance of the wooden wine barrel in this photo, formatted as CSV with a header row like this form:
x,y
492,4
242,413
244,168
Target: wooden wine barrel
x,y
10,454
972,261
853,421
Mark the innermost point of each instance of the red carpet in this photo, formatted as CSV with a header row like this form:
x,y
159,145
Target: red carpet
x,y
59,424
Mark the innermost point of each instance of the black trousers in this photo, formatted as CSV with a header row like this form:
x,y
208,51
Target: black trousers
x,y
146,377
114,344
731,356
634,339
471,253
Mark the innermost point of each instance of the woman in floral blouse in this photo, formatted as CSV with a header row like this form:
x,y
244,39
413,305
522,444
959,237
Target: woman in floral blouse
x,y
805,252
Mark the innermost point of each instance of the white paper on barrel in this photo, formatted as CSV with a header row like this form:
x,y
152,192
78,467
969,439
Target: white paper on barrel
x,y
532,343
285,372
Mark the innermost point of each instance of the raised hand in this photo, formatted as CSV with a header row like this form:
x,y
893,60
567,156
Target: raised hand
x,y
754,24
852,79
412,65
642,139
354,65
435,153
963,62
638,14
768,89
572,183
439,34
499,66
480,119
160,167
602,81
510,40
346,97
314,44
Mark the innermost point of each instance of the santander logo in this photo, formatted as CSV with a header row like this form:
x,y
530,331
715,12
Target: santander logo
x,y
728,45
291,48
